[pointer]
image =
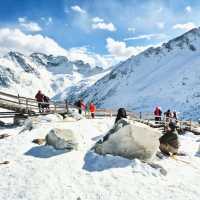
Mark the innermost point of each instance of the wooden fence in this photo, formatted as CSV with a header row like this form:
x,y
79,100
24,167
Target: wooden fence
x,y
28,106
25,105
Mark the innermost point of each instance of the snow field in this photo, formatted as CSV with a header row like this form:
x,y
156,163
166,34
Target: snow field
x,y
40,172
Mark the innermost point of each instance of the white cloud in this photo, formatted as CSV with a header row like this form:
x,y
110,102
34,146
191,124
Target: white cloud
x,y
188,9
83,53
160,25
159,10
16,40
131,29
29,25
97,19
104,26
21,19
47,21
78,9
187,26
99,23
147,37
120,51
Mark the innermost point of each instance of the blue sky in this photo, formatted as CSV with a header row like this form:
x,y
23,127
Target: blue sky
x,y
101,30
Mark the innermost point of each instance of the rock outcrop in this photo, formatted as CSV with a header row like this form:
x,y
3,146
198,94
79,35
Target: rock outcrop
x,y
61,139
130,141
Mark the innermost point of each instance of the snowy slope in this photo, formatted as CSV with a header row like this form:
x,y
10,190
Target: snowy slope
x,y
25,75
42,173
168,76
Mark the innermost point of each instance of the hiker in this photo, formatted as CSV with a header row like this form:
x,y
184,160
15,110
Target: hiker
x,y
46,103
121,113
169,143
157,113
39,98
168,115
81,106
174,115
66,105
92,109
120,121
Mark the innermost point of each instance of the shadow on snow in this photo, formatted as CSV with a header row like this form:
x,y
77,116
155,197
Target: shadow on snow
x,y
95,162
44,151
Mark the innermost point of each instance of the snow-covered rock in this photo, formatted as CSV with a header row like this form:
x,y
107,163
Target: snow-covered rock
x,y
49,118
131,141
62,139
73,113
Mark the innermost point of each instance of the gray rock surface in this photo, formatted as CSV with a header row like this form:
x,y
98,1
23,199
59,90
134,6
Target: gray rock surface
x,y
61,139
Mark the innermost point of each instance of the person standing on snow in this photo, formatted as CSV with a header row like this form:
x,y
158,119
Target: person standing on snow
x,y
121,113
92,109
66,105
46,101
81,106
168,115
174,115
169,142
120,121
40,98
157,114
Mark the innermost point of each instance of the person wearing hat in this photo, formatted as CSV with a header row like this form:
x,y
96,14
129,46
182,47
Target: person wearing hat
x,y
169,142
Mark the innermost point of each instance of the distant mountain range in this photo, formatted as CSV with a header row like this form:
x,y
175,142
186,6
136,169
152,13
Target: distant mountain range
x,y
54,75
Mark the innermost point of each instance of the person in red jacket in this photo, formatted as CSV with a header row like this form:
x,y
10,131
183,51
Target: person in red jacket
x,y
39,98
92,109
157,113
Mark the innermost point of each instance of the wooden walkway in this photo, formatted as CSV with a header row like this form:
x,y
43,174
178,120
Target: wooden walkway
x,y
29,107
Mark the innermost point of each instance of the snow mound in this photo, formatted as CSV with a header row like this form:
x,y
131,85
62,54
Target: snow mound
x,y
131,141
148,169
28,125
49,118
74,114
61,139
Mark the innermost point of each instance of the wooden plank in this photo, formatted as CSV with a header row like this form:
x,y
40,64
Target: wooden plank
x,y
8,116
6,100
8,95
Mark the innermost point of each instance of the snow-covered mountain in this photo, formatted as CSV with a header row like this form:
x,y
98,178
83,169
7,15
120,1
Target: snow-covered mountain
x,y
168,76
24,75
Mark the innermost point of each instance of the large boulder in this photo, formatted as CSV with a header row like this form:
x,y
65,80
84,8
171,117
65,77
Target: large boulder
x,y
61,139
131,141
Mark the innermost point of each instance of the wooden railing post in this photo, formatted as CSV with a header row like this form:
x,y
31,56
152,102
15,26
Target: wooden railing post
x,y
55,107
18,99
26,105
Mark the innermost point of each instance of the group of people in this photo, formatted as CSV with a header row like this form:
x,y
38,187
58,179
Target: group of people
x,y
168,115
84,107
43,102
169,143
